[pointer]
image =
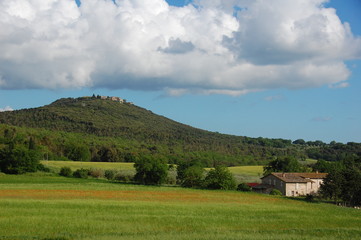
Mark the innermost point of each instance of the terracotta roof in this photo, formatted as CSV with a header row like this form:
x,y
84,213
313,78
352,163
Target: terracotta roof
x,y
298,177
252,184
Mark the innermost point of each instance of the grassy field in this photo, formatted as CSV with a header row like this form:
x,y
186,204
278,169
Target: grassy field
x,y
51,207
241,173
56,165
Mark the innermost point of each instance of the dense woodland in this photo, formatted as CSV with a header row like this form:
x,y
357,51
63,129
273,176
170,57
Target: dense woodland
x,y
93,129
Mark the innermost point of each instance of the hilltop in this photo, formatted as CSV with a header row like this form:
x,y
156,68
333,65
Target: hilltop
x,y
112,129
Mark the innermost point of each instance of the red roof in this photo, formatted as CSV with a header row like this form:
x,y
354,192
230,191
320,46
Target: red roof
x,y
252,184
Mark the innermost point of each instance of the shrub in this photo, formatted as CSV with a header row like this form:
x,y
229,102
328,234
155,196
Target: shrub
x,y
244,187
310,198
18,160
220,178
81,173
150,171
110,174
193,177
275,192
65,171
171,180
96,172
123,177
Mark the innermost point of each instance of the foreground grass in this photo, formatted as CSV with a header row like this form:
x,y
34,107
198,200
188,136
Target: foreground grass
x,y
50,207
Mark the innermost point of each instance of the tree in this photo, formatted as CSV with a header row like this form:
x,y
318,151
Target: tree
x,y
150,171
299,141
283,164
193,176
351,190
220,178
18,160
183,172
332,185
77,152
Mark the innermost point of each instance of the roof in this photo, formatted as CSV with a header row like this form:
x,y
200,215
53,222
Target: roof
x,y
252,184
263,186
298,177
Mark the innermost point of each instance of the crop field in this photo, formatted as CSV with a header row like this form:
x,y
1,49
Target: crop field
x,y
241,173
57,165
45,206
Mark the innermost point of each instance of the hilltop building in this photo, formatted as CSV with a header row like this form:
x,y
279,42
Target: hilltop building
x,y
292,184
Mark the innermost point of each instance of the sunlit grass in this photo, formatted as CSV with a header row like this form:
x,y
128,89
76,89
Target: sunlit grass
x,y
51,207
57,165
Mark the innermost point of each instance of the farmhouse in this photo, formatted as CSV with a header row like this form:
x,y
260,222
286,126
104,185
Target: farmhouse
x,y
292,184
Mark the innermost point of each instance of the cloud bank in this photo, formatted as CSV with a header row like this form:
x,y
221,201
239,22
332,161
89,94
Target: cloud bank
x,y
208,46
7,108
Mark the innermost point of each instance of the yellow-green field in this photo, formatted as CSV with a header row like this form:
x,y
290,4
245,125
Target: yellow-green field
x,y
241,173
57,165
51,207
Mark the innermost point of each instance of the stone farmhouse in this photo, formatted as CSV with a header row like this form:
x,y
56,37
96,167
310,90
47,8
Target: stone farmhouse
x,y
292,184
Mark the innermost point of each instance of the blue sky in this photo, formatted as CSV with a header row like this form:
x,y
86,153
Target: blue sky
x,y
200,74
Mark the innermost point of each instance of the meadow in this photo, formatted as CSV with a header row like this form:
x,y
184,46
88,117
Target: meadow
x,y
46,206
241,173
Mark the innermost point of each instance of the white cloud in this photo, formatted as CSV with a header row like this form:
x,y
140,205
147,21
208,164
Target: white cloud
x,y
340,85
273,98
205,47
7,108
322,119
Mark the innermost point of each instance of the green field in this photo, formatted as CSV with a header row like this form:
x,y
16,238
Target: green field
x,y
51,207
56,165
241,173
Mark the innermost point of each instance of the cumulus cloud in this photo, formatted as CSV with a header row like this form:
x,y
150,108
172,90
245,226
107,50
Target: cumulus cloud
x,y
7,108
273,98
208,46
321,119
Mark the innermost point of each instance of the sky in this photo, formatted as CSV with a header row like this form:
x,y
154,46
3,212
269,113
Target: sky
x,y
274,69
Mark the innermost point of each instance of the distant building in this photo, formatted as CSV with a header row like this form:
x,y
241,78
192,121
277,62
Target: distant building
x,y
292,184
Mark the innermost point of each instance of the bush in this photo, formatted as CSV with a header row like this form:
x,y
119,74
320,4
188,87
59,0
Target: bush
x,y
193,177
275,192
96,173
18,160
310,198
220,178
123,177
65,171
110,174
81,173
244,187
150,171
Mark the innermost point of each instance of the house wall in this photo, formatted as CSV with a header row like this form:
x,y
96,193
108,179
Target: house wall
x,y
293,189
297,189
275,182
315,186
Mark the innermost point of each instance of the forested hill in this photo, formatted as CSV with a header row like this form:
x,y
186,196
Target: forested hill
x,y
112,129
103,117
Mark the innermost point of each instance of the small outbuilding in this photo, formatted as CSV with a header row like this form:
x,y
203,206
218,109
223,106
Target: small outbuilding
x,y
292,184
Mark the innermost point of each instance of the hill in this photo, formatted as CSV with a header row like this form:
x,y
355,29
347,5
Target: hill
x,y
112,129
